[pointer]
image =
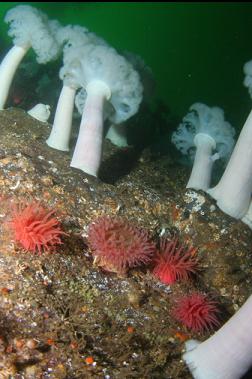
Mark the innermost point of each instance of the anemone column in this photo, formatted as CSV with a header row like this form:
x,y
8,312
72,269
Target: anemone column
x,y
88,149
8,68
61,129
227,354
233,192
203,162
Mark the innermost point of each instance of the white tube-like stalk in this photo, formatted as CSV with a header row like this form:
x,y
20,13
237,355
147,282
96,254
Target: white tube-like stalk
x,y
203,162
41,112
8,68
61,130
247,218
233,192
88,150
228,353
117,135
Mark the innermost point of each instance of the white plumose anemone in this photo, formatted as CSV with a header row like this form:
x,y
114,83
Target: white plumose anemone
x,y
205,136
29,28
74,38
106,76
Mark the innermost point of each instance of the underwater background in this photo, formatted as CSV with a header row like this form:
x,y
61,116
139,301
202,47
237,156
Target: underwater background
x,y
196,50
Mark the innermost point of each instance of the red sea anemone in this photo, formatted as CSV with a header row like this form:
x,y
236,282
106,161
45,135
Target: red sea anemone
x,y
35,228
174,262
197,312
118,245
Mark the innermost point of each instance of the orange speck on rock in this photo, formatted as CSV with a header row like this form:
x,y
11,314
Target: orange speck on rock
x,y
84,309
50,342
73,345
187,239
46,195
19,343
212,245
181,336
175,213
5,290
9,349
89,360
130,329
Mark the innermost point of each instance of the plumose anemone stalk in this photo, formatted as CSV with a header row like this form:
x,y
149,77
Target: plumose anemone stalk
x,y
203,162
226,354
117,134
91,129
62,124
40,112
8,68
233,192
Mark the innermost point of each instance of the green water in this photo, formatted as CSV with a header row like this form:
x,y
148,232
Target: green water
x,y
196,50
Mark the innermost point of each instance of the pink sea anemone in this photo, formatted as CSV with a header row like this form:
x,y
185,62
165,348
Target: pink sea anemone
x,y
35,228
197,312
174,261
117,245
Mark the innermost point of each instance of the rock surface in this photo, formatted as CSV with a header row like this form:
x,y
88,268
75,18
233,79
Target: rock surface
x,y
60,316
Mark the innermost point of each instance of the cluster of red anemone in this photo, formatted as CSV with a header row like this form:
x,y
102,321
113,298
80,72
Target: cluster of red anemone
x,y
117,245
